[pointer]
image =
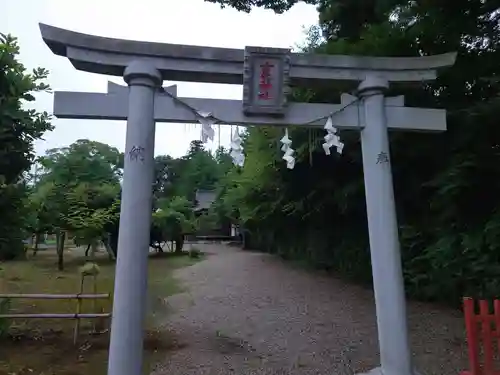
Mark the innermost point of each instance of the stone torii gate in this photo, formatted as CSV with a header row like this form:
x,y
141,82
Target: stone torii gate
x,y
266,74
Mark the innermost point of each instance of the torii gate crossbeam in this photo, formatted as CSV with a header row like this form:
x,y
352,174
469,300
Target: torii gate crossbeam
x,y
113,106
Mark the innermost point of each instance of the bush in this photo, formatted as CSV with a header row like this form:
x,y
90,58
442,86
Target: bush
x,y
194,253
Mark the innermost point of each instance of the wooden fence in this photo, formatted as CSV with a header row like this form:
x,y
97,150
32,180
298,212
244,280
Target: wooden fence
x,y
483,336
79,297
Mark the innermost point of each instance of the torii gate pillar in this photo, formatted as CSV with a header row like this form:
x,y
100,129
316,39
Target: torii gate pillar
x,y
127,332
385,251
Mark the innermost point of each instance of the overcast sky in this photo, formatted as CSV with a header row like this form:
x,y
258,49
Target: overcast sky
x,y
171,21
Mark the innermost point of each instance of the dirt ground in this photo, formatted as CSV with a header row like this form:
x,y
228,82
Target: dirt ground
x,y
45,346
250,313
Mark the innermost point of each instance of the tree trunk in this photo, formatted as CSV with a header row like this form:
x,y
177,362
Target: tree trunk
x,y
179,244
60,239
87,251
94,247
35,245
243,239
106,241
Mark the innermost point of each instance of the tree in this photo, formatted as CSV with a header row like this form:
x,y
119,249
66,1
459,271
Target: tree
x,y
49,204
174,187
166,175
83,161
279,6
91,210
224,161
337,18
83,183
40,212
199,169
446,185
172,220
19,129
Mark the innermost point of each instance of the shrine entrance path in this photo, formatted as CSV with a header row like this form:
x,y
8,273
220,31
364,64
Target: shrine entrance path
x,y
251,313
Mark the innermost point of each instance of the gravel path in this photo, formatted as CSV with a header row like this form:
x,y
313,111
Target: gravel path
x,y
251,313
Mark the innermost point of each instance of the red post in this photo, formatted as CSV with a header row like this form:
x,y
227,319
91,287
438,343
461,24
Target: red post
x,y
496,309
487,336
472,337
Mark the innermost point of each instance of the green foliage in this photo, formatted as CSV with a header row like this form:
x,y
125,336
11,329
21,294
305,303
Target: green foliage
x,y
175,185
166,175
279,6
91,209
172,220
19,129
79,188
206,222
87,161
78,192
446,184
43,205
12,234
200,170
195,253
174,217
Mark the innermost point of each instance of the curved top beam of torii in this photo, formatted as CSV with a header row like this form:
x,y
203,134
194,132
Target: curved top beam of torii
x,y
225,65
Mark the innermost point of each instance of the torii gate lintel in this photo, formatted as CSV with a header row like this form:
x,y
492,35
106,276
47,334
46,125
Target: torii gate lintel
x,y
113,106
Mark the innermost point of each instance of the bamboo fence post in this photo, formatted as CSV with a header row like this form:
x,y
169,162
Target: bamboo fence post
x,y
78,311
94,302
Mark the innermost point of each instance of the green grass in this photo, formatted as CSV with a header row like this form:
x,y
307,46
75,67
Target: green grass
x,y
45,346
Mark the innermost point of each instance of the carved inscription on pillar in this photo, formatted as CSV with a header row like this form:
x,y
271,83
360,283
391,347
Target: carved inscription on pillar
x,y
265,81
